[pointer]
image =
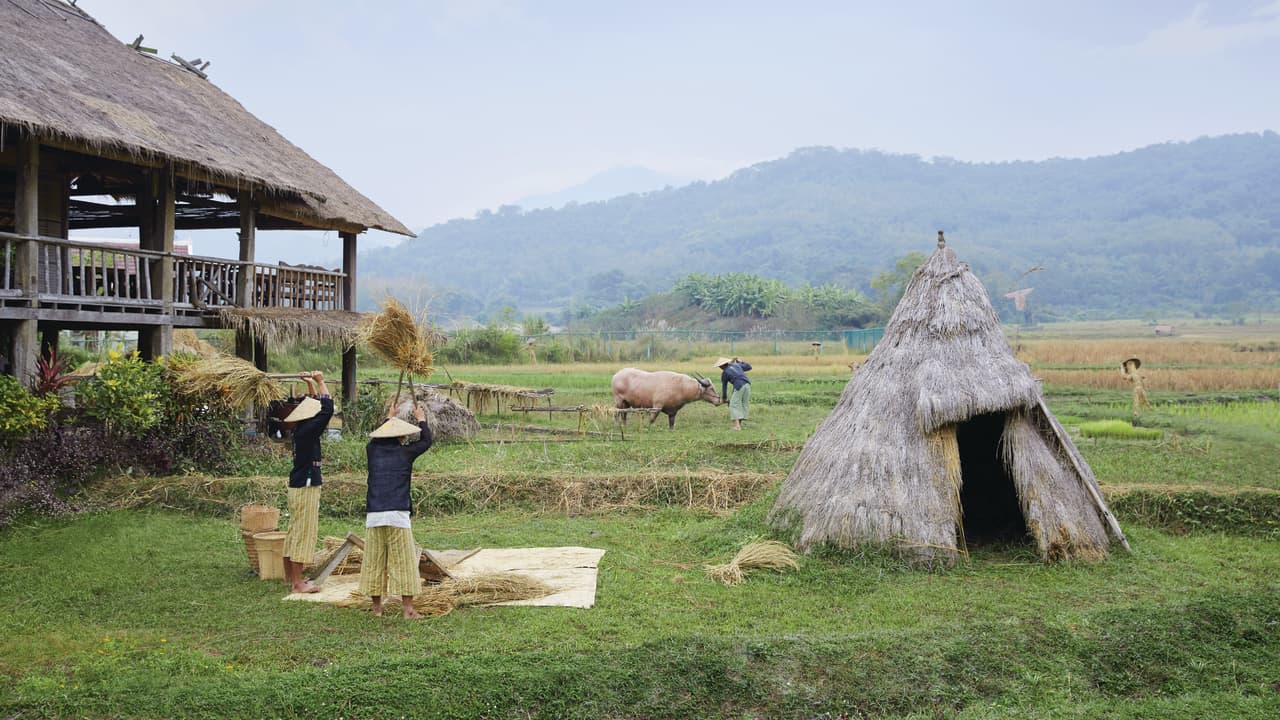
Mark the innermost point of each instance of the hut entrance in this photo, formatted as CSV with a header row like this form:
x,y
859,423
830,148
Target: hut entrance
x,y
988,498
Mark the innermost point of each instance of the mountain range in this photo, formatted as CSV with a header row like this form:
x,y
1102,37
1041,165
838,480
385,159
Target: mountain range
x,y
1187,226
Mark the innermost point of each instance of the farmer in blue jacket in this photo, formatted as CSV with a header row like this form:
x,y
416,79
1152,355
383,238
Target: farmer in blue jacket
x,y
734,371
390,564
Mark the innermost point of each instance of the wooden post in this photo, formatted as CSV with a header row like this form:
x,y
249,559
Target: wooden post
x,y
26,221
156,213
349,303
49,340
260,354
248,239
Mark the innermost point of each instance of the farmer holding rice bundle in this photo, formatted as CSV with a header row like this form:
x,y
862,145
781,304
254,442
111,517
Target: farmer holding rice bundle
x,y
734,371
312,417
390,565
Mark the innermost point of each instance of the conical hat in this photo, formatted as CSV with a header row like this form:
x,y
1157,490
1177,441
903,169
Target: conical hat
x,y
307,409
394,428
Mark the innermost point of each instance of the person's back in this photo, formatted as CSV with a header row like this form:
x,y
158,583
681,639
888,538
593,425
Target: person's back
x,y
733,371
390,565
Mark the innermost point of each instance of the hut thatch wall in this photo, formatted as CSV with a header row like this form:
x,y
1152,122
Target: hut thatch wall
x,y
288,325
64,77
940,402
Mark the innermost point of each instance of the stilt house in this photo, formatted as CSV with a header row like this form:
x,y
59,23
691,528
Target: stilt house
x,y
84,117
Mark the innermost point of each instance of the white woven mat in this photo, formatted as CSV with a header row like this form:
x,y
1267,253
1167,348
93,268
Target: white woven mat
x,y
570,571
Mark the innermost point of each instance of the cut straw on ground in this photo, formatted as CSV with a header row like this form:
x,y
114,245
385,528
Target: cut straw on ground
x,y
452,593
760,555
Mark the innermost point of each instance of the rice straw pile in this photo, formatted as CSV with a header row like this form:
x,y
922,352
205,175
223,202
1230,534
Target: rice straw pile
x,y
236,381
763,554
399,339
486,589
350,565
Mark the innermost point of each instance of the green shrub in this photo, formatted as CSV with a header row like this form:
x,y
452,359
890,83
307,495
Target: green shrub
x,y
21,412
489,345
366,413
1119,429
126,395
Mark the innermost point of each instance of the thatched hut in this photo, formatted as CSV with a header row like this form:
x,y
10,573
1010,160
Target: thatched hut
x,y
942,439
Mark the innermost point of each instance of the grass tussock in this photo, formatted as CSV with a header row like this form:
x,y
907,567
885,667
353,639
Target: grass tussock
x,y
759,555
1249,512
1119,429
443,598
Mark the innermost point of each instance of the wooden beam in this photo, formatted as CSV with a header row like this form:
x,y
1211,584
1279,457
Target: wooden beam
x,y
349,387
156,207
248,240
286,210
25,340
26,213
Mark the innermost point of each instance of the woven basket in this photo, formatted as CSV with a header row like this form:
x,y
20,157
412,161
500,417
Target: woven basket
x,y
270,547
250,548
259,518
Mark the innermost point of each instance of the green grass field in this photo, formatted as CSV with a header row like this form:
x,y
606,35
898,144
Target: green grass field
x,y
144,608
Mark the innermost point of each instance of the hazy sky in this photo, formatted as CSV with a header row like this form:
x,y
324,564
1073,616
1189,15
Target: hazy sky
x,y
435,109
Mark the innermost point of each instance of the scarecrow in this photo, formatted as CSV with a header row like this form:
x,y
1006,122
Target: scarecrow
x,y
1129,369
312,417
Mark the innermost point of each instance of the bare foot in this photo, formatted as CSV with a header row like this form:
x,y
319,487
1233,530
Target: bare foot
x,y
306,587
410,612
377,609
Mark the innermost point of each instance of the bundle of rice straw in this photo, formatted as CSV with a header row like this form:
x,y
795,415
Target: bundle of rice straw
x,y
486,589
236,381
399,339
763,554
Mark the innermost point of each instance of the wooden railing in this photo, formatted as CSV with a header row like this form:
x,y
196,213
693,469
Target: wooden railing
x,y
100,273
297,286
204,282
93,273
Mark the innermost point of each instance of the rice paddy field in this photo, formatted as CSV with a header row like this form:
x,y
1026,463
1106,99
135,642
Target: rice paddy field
x,y
142,606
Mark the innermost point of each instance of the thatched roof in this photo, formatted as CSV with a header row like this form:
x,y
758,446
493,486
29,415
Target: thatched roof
x,y
287,325
64,77
885,467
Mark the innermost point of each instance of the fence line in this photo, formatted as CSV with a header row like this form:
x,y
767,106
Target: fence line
x,y
861,341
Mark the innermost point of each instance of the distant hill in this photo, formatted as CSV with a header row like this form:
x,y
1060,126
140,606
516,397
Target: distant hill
x,y
609,184
1188,226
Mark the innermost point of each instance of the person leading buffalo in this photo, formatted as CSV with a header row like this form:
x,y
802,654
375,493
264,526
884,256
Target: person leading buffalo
x,y
734,372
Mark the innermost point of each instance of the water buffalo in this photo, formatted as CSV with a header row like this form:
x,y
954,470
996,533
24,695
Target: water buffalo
x,y
664,389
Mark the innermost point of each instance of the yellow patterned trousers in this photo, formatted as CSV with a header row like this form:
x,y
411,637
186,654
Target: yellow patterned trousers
x,y
304,524
390,564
